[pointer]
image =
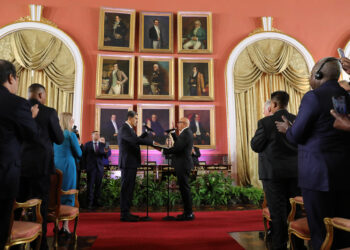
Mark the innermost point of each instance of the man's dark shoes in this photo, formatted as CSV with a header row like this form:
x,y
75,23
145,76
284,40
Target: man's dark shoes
x,y
135,216
129,218
185,217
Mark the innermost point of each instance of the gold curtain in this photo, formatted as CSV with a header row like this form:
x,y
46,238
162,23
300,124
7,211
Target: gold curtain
x,y
42,58
262,68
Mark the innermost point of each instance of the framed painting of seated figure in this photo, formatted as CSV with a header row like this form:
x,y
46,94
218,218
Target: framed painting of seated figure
x,y
116,29
202,124
156,78
194,30
115,77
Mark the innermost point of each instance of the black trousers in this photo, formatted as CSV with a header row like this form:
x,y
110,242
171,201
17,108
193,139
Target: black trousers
x,y
127,190
185,189
319,205
37,188
94,182
5,217
277,193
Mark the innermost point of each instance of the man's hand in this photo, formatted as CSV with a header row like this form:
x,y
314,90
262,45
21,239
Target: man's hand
x,y
282,127
345,63
35,110
115,134
194,135
342,122
106,150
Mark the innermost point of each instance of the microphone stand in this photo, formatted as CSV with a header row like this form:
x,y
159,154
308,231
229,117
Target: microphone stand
x,y
168,217
146,218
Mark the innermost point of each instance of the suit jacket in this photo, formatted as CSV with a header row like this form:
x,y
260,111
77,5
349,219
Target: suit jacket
x,y
50,132
278,158
193,127
109,132
94,160
201,34
153,34
16,126
182,150
195,156
323,151
129,147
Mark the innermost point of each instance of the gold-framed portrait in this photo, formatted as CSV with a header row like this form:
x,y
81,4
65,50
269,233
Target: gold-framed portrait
x,y
158,117
156,78
194,32
116,29
108,120
115,76
156,32
196,79
202,124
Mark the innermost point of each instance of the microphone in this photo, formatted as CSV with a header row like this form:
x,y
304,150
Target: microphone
x,y
147,128
169,130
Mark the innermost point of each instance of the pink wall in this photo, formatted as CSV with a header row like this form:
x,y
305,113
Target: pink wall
x,y
321,25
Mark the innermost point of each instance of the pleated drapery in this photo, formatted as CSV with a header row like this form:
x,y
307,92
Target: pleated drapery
x,y
262,68
42,58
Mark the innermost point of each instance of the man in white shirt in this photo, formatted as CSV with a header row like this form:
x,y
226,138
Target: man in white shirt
x,y
111,130
116,81
200,135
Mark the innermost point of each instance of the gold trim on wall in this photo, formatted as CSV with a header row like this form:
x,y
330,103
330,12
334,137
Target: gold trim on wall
x,y
212,132
142,32
208,15
101,29
100,106
100,59
210,63
140,93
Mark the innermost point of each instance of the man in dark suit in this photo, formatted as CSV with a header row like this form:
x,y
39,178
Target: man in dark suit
x,y
278,164
93,159
117,35
195,155
323,153
16,126
129,161
155,35
200,135
111,130
182,162
37,156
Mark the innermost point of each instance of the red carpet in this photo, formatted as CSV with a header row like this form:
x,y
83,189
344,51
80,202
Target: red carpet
x,y
209,230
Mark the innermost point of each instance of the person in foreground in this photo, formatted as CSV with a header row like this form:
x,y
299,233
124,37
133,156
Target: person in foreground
x,y
64,156
323,153
36,171
182,162
129,160
278,166
16,126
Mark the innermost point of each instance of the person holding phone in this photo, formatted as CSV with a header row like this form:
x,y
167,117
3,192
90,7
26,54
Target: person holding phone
x,y
323,153
108,153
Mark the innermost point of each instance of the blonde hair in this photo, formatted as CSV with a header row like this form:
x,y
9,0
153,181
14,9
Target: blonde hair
x,y
65,119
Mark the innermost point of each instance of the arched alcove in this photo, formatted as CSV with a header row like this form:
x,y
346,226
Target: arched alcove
x,y
73,48
230,81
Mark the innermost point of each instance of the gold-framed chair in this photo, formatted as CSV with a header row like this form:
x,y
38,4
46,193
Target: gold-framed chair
x,y
266,219
298,227
331,223
24,232
58,212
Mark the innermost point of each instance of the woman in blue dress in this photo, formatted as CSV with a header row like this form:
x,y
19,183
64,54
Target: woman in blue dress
x,y
65,161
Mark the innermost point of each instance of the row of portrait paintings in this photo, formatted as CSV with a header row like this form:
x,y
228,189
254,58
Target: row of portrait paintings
x,y
117,31
158,117
115,78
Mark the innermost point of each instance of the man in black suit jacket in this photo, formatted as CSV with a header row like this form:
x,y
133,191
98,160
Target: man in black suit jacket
x,y
111,130
37,156
16,126
196,153
155,35
182,162
129,161
278,163
94,153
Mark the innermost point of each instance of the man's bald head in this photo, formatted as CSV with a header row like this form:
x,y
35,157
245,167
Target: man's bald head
x,y
330,70
183,123
38,92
